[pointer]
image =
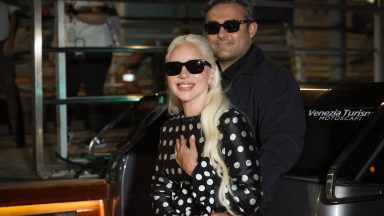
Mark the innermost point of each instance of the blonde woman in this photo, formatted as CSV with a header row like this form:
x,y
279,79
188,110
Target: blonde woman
x,y
208,156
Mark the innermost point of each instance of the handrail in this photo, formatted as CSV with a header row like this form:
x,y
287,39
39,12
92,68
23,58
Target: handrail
x,y
133,48
96,99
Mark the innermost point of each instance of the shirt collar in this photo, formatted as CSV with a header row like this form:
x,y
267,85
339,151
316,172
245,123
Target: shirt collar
x,y
234,69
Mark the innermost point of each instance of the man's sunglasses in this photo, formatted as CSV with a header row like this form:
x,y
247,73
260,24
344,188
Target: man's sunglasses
x,y
195,66
230,26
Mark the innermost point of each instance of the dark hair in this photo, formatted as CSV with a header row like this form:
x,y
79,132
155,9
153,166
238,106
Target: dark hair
x,y
246,5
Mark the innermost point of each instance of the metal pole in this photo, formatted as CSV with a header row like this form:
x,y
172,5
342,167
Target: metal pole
x,y
37,128
61,109
379,43
338,40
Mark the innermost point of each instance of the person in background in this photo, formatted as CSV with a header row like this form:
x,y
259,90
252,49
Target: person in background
x,y
208,156
265,92
86,25
9,20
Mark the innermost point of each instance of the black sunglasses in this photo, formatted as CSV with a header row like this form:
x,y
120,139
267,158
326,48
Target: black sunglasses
x,y
195,66
230,26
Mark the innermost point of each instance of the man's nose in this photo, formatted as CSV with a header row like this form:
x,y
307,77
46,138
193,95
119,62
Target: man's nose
x,y
222,32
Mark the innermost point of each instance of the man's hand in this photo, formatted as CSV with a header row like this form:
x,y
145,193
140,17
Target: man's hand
x,y
8,48
186,156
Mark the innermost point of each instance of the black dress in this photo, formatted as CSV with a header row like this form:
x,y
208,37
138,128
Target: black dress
x,y
176,193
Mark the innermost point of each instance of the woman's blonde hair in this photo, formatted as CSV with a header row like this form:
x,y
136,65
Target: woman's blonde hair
x,y
216,104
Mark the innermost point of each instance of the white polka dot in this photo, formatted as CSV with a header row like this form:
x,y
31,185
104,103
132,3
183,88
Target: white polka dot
x,y
194,194
246,191
184,191
232,137
170,142
244,178
190,126
235,120
167,170
229,153
257,163
241,209
240,149
201,140
208,209
199,176
188,213
157,211
236,165
165,204
179,170
164,129
156,197
180,202
227,120
170,129
256,177
206,173
189,200
223,151
169,185
236,199
211,200
164,142
244,119
177,129
183,128
212,192
198,126
204,164
201,188
221,136
227,202
251,148
202,198
157,168
248,162
209,182
234,187
165,156
252,201
243,133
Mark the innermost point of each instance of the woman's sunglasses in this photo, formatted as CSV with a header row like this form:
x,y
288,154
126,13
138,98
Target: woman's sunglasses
x,y
195,66
230,26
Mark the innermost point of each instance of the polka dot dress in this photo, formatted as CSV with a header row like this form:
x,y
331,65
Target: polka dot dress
x,y
176,193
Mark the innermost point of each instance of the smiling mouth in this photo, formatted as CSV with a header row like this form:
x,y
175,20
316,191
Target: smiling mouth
x,y
185,86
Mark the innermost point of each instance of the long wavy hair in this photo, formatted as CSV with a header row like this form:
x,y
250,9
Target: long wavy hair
x,y
216,104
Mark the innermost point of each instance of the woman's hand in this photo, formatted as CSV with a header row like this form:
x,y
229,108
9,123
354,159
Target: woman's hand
x,y
186,156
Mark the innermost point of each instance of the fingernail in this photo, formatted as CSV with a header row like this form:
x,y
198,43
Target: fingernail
x,y
193,136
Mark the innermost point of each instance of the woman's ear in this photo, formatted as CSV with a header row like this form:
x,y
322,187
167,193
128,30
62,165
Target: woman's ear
x,y
211,76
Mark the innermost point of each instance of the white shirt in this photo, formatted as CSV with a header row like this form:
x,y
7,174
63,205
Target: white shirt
x,y
79,33
5,11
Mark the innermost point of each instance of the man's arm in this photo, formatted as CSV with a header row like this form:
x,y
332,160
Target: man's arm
x,y
282,129
13,26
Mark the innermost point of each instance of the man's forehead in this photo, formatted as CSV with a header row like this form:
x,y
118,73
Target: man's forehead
x,y
222,12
